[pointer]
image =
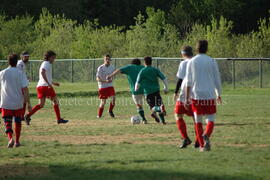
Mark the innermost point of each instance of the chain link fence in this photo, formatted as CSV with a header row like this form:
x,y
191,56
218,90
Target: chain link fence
x,y
235,72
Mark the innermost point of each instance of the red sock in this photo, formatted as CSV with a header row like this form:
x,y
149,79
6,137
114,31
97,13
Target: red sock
x,y
181,125
57,111
199,132
18,127
100,111
111,106
34,110
209,128
196,137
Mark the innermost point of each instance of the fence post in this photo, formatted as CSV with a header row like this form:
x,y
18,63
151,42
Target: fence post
x,y
260,73
115,63
157,62
31,71
93,70
72,71
233,73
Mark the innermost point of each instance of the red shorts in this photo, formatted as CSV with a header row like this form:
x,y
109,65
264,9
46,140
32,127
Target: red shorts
x,y
202,107
180,109
15,113
45,91
105,93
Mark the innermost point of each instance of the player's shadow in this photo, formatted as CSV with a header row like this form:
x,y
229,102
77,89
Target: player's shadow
x,y
38,172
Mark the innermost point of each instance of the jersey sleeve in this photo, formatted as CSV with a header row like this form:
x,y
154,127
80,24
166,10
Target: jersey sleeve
x,y
140,77
98,72
217,78
160,74
45,66
125,69
181,73
24,81
20,66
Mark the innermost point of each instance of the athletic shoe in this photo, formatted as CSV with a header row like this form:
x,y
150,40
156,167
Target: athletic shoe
x,y
17,144
185,143
10,144
27,120
144,122
202,149
207,146
98,117
197,144
111,114
62,121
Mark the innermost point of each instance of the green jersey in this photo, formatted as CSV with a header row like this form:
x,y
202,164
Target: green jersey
x,y
132,72
148,79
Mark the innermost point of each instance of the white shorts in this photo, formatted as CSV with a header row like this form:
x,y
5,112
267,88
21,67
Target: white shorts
x,y
138,99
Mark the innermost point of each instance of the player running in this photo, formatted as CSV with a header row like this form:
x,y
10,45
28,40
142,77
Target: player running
x,y
21,65
12,82
105,86
203,81
148,80
132,72
45,88
180,110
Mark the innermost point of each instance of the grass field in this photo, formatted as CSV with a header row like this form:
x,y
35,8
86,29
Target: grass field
x,y
90,148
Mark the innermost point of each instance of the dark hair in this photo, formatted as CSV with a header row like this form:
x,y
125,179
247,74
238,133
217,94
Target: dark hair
x,y
25,53
12,60
136,61
107,55
187,50
202,46
49,54
148,60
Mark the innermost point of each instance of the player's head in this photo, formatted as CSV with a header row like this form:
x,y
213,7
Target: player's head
x,y
186,52
49,56
12,60
148,61
25,56
202,46
136,61
107,59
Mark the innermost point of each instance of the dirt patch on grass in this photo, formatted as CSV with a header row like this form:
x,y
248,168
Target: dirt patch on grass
x,y
11,171
102,139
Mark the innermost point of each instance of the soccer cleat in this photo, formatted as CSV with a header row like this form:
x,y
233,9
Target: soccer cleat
x,y
17,144
111,114
62,121
144,122
202,149
10,144
197,144
185,143
27,120
98,117
207,146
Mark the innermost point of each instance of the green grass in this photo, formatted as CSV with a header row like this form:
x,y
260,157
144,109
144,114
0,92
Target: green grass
x,y
90,148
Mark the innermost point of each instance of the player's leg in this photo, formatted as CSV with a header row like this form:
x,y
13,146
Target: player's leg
x,y
9,130
18,127
138,100
112,104
101,107
150,99
199,129
162,112
210,120
196,144
37,107
56,108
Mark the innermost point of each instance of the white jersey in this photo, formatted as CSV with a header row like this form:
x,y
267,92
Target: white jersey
x,y
21,66
12,81
47,66
203,77
181,74
102,72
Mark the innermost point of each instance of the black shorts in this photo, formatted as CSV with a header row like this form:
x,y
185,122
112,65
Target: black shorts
x,y
154,99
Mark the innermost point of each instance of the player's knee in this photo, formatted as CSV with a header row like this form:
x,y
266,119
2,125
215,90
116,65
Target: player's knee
x,y
210,118
18,119
177,116
8,119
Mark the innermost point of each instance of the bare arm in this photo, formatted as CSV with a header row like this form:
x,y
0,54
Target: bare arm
x,y
103,81
113,74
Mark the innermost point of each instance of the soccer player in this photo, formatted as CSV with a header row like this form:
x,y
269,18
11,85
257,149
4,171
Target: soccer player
x,y
45,88
148,80
203,80
21,65
132,72
12,82
106,89
180,110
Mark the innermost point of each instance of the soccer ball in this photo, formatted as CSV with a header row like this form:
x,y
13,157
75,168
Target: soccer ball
x,y
135,119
